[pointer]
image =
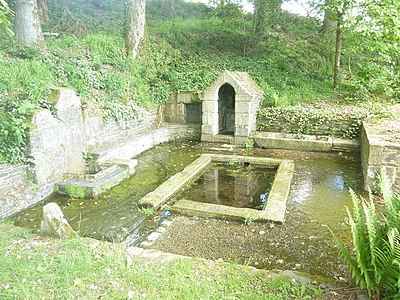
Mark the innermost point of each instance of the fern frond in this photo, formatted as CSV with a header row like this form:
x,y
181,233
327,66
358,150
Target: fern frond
x,y
373,234
384,185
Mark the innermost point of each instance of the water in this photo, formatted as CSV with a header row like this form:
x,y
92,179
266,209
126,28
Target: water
x,y
115,214
232,185
319,193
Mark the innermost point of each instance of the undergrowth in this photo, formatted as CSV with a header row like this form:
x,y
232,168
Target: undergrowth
x,y
187,47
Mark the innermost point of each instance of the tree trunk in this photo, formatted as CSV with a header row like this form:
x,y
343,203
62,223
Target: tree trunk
x,y
28,31
336,67
259,16
329,22
135,26
43,11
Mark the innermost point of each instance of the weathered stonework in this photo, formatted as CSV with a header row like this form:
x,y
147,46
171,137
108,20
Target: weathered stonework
x,y
54,223
380,148
183,108
61,144
277,140
274,210
240,117
16,191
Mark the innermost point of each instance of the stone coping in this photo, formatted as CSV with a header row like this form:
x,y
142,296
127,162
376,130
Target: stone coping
x,y
303,142
274,210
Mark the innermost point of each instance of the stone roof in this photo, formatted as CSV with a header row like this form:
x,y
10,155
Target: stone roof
x,y
241,81
245,81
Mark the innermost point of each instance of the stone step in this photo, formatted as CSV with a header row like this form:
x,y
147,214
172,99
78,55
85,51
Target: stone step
x,y
105,170
132,146
91,189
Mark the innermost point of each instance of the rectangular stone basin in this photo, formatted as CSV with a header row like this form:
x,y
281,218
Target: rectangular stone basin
x,y
277,140
275,207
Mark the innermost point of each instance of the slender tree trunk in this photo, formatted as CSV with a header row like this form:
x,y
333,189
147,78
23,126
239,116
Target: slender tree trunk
x,y
329,22
135,26
259,16
336,67
43,11
28,31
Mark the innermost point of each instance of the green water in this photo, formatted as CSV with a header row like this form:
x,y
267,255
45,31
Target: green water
x,y
232,185
319,193
115,214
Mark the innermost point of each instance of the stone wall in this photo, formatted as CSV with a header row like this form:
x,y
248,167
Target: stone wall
x,y
175,110
16,191
99,133
57,143
338,128
380,148
319,118
11,176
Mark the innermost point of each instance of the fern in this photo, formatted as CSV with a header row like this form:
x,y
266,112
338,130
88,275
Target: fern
x,y
375,262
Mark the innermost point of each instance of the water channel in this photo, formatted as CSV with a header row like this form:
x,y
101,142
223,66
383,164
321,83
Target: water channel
x,y
319,193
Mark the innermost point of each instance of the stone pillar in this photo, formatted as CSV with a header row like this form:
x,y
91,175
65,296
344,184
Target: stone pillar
x,y
209,126
69,112
57,143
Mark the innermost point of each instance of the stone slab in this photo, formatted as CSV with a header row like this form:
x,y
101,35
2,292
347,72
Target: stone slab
x,y
92,189
167,189
274,140
273,211
201,209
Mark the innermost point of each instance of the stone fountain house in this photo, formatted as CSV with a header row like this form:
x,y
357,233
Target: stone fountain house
x,y
229,108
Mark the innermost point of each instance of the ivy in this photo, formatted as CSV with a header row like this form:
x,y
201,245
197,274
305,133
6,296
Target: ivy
x,y
322,118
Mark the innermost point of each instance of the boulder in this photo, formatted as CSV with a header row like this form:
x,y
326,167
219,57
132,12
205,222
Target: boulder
x,y
54,222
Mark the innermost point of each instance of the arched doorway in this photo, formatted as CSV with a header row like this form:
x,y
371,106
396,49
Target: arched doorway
x,y
226,109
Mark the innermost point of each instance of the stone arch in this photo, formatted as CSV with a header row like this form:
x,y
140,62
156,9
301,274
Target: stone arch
x,y
226,109
241,118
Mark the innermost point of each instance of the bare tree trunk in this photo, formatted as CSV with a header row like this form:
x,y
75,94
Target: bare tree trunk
x,y
329,22
27,25
43,11
336,67
258,16
135,26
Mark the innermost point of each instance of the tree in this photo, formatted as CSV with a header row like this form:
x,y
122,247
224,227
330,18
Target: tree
x,y
225,9
135,26
5,11
43,11
266,13
329,21
28,31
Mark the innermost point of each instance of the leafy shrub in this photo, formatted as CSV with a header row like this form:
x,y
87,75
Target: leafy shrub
x,y
374,258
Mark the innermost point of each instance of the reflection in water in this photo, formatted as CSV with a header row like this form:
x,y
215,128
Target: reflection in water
x,y
245,187
302,190
337,183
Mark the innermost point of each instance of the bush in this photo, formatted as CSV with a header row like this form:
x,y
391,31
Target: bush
x,y
374,257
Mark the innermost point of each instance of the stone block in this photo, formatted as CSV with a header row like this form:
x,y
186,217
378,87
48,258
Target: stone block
x,y
243,131
242,107
273,140
54,222
184,97
209,107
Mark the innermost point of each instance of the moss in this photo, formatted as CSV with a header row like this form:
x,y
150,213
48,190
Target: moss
x,y
75,191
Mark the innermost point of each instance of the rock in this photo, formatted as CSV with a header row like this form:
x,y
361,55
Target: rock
x,y
54,223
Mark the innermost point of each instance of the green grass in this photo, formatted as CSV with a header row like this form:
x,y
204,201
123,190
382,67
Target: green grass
x,y
35,268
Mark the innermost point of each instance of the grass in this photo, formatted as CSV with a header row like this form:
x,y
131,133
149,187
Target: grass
x,y
41,268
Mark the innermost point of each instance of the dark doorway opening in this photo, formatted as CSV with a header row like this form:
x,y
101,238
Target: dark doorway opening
x,y
226,109
193,113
